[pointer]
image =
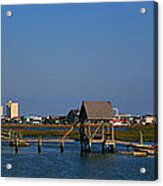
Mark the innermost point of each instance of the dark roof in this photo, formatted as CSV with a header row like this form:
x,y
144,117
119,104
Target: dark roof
x,y
98,109
74,111
54,117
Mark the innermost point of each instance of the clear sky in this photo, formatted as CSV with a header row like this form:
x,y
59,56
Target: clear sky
x,y
55,56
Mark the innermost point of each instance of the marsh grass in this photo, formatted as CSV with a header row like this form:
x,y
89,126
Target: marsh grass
x,y
130,133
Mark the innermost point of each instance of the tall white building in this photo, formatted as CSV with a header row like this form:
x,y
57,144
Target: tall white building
x,y
12,109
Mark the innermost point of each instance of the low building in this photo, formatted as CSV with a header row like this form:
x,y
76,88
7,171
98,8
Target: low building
x,y
32,119
58,119
96,111
16,120
149,119
73,116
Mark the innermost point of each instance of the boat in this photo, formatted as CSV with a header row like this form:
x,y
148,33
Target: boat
x,y
149,149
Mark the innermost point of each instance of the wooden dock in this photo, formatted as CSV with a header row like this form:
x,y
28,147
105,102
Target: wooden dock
x,y
44,140
101,133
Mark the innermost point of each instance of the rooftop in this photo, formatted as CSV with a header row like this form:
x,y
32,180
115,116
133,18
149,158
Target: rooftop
x,y
98,109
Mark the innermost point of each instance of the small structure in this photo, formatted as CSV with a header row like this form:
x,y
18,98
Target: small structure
x,y
96,111
95,127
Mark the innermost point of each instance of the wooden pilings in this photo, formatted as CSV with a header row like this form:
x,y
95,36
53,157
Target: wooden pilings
x,y
103,146
141,137
61,146
39,144
16,145
89,145
113,148
112,132
102,133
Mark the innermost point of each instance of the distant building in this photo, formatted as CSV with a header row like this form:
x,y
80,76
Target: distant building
x,y
149,119
73,116
16,120
125,118
96,111
1,110
55,119
32,119
58,119
12,109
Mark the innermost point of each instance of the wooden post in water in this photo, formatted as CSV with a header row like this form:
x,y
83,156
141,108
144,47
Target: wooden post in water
x,y
103,132
10,133
89,145
112,134
81,145
141,137
113,146
108,131
103,138
39,144
103,146
62,146
89,140
82,140
16,145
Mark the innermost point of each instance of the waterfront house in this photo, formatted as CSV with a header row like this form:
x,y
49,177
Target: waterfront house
x,y
149,119
16,120
32,119
73,116
58,119
96,111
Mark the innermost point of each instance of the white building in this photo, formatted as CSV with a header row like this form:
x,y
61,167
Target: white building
x,y
1,110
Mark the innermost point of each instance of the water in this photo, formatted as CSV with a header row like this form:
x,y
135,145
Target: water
x,y
53,128
70,164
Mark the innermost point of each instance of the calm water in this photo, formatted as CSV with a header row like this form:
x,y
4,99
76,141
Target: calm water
x,y
54,128
70,164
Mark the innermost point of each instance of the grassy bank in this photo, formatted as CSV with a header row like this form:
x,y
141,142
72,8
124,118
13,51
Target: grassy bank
x,y
130,133
13,126
47,133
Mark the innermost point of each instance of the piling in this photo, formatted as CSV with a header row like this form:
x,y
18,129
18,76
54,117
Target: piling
x,y
113,148
112,133
62,146
10,133
103,146
141,137
81,145
89,145
39,145
82,141
16,145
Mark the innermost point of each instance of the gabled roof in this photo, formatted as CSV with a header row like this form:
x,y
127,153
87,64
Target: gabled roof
x,y
98,109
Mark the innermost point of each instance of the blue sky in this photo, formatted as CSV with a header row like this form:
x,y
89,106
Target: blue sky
x,y
55,56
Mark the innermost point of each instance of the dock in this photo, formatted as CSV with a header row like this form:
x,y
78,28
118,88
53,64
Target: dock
x,y
102,133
